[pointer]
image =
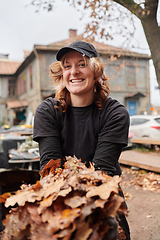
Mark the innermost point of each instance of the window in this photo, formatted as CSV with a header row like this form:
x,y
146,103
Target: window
x,y
21,84
131,75
11,87
137,121
31,76
24,89
113,70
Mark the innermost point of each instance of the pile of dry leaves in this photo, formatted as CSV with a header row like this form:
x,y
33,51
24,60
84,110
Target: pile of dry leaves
x,y
69,203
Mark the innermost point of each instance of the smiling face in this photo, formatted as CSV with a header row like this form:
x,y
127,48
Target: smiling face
x,y
78,78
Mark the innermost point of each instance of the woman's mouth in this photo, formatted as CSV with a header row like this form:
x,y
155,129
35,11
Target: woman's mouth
x,y
76,80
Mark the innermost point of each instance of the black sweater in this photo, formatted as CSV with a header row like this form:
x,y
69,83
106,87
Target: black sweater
x,y
91,134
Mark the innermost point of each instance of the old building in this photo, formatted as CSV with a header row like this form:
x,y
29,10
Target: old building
x,y
7,85
23,88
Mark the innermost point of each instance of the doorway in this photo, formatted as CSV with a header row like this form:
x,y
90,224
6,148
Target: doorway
x,y
132,108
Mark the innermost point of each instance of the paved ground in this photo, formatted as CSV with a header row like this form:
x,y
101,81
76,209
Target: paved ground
x,y
144,208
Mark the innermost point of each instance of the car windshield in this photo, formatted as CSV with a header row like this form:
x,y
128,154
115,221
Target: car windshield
x,y
137,121
157,120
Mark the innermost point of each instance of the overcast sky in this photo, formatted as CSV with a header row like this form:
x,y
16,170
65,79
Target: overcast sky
x,y
21,28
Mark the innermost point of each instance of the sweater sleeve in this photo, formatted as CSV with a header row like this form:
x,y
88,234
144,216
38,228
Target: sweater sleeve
x,y
112,137
49,148
47,133
106,158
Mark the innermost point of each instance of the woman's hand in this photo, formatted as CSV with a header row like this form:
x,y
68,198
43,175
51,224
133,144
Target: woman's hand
x,y
112,234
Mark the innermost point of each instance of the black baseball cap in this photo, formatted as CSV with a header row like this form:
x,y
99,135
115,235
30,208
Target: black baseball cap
x,y
85,48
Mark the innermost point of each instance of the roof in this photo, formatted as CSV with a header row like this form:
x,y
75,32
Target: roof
x,y
101,47
135,95
8,67
17,103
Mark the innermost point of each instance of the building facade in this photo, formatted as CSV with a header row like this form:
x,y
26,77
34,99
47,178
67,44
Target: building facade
x,y
29,83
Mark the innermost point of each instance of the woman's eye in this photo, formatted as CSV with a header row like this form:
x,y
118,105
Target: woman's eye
x,y
66,66
82,64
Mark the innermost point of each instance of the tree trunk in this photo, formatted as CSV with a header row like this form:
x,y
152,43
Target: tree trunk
x,y
148,18
152,33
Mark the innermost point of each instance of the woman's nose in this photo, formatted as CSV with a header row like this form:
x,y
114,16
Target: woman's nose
x,y
74,71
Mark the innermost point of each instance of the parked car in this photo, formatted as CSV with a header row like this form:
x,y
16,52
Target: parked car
x,y
145,126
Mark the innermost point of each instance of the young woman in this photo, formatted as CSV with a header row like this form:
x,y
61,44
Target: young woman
x,y
82,120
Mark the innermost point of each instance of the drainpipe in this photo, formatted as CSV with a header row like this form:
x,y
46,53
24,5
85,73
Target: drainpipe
x,y
38,78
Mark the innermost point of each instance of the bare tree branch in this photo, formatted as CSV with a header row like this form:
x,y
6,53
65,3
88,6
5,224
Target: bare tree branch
x,y
107,18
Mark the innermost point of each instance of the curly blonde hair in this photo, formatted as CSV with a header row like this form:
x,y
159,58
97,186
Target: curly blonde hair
x,y
101,89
